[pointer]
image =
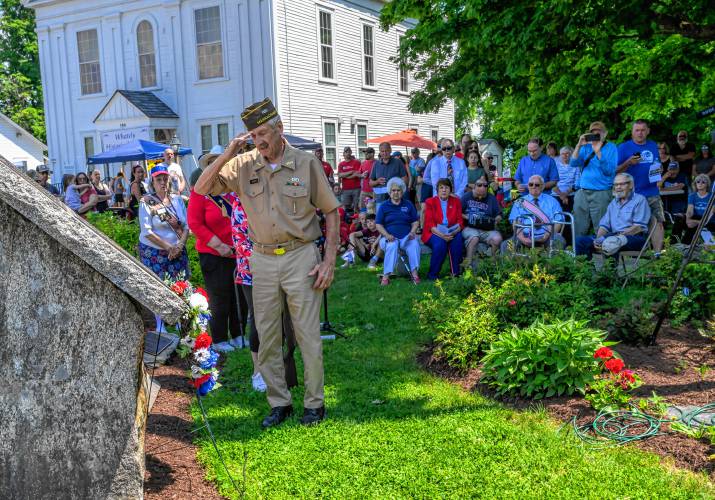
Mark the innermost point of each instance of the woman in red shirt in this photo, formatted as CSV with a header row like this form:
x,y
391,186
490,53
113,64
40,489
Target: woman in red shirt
x,y
209,218
443,229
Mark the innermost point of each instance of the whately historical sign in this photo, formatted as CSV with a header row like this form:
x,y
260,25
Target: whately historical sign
x,y
116,138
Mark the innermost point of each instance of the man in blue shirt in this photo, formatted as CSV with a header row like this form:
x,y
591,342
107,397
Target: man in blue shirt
x,y
597,161
449,167
383,170
544,210
623,225
639,157
536,163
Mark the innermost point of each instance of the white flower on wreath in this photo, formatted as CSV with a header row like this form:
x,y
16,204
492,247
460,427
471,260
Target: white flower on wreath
x,y
199,301
214,374
201,355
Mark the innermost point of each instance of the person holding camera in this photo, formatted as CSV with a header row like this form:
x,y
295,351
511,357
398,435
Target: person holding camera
x,y
639,157
162,221
596,159
481,214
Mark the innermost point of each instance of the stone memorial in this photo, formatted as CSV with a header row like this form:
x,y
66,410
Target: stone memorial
x,y
73,402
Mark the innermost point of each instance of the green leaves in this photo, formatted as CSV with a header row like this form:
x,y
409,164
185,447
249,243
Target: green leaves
x,y
565,362
550,68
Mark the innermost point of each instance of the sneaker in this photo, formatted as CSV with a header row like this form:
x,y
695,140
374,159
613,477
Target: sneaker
x,y
258,384
223,347
239,342
346,264
372,264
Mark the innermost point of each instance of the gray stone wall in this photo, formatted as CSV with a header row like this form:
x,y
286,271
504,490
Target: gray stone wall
x,y
71,423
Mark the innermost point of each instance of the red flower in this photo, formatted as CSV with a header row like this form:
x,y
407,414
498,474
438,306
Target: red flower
x,y
179,287
202,341
202,292
512,302
628,375
603,353
614,365
196,382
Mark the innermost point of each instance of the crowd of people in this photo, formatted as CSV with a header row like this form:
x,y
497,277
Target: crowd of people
x,y
597,197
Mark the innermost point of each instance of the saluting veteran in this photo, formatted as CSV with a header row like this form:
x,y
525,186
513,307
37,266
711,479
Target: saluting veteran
x,y
280,188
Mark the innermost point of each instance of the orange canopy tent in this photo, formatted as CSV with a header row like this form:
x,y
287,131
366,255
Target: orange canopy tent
x,y
407,138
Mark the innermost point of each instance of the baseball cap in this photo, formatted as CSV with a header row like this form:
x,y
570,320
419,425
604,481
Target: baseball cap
x,y
41,169
158,169
704,147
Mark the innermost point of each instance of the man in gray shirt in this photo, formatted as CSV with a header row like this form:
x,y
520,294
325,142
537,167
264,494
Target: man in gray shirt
x,y
383,170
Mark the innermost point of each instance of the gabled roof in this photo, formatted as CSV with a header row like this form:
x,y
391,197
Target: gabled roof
x,y
107,258
145,101
21,130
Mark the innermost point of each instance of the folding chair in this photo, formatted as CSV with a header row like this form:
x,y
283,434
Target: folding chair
x,y
638,254
529,223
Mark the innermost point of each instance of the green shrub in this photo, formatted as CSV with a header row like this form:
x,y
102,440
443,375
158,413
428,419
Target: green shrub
x,y
462,329
544,360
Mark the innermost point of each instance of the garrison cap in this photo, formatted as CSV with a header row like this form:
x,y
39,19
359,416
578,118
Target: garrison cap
x,y
259,113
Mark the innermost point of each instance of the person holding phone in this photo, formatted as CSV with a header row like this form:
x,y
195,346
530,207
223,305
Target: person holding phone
x,y
639,157
596,159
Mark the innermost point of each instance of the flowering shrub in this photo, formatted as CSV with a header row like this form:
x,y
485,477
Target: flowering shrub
x,y
543,360
611,388
197,342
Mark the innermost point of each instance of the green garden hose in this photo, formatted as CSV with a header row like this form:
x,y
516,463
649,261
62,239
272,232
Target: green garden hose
x,y
617,427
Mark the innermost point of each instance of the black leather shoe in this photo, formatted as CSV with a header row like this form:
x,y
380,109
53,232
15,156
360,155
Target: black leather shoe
x,y
277,416
312,416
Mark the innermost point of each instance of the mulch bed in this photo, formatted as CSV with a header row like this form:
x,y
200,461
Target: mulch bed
x,y
171,467
671,369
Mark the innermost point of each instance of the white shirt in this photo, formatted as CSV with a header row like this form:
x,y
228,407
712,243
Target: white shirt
x,y
150,223
176,173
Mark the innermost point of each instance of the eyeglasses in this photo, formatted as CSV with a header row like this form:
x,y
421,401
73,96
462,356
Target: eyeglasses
x,y
701,181
447,148
534,185
621,183
484,184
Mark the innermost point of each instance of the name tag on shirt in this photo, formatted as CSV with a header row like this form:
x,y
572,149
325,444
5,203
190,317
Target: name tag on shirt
x,y
654,173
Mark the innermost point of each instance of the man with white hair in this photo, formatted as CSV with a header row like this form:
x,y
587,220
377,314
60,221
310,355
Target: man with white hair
x,y
545,212
624,224
448,166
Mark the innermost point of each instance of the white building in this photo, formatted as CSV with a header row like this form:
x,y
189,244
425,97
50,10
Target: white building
x,y
113,70
19,146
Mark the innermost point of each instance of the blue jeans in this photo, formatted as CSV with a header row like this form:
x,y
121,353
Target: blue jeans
x,y
584,244
440,249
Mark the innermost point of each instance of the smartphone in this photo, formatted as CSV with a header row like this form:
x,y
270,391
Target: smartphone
x,y
637,155
592,137
673,165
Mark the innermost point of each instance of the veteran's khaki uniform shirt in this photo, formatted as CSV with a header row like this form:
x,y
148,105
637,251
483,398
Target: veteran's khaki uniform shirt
x,y
280,204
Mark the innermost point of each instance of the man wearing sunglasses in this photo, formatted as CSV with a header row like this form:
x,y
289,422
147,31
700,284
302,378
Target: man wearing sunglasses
x,y
544,210
683,152
448,166
624,224
481,214
597,161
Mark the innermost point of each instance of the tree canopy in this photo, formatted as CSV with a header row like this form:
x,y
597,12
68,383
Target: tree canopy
x,y
20,84
549,68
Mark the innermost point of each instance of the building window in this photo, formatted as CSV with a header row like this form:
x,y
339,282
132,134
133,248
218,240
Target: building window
x,y
209,50
147,57
88,147
415,127
89,70
206,141
222,132
368,56
403,76
361,132
326,45
330,146
435,134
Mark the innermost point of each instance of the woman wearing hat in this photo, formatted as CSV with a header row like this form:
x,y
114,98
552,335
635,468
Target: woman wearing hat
x,y
162,220
209,218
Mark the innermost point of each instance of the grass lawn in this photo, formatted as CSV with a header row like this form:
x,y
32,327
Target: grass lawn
x,y
394,431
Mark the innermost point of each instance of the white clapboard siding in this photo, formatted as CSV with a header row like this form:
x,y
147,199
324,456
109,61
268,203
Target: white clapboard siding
x,y
18,146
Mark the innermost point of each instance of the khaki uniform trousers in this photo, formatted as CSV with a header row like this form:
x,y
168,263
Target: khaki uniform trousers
x,y
276,277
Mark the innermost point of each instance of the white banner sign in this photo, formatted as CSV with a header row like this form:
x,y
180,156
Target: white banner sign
x,y
114,139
